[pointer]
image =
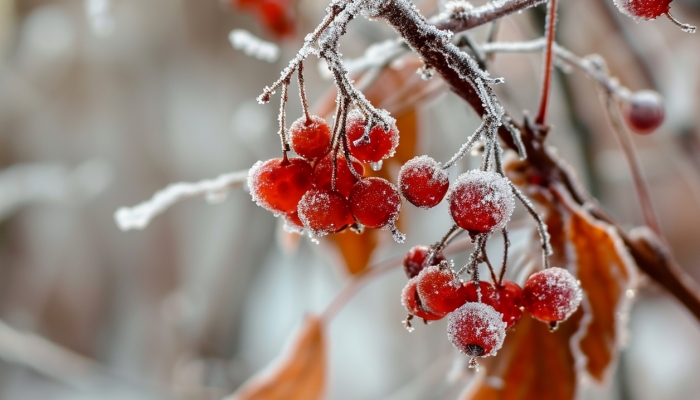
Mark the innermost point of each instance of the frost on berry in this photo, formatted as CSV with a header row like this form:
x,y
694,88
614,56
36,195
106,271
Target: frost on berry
x,y
552,295
413,304
644,111
292,223
640,10
423,182
476,329
310,139
375,202
278,184
417,258
440,289
481,201
506,298
379,145
324,212
344,178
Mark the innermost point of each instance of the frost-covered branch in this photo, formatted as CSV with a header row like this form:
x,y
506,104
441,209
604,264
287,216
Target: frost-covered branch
x,y
139,216
461,15
253,46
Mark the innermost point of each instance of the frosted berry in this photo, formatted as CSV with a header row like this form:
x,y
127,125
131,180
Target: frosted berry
x,y
481,201
278,184
644,111
476,329
311,139
415,260
552,295
381,144
643,9
413,304
506,299
375,202
344,181
323,211
423,182
440,290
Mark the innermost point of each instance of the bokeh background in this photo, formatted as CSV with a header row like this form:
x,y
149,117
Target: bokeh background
x,y
102,103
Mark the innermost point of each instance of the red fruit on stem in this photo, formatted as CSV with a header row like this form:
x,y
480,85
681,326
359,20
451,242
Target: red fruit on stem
x,y
381,145
552,295
344,181
440,290
481,201
375,202
277,185
423,182
506,299
644,111
412,302
476,329
324,212
311,139
415,260
643,9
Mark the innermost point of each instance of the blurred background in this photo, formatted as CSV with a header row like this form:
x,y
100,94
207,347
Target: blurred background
x,y
104,102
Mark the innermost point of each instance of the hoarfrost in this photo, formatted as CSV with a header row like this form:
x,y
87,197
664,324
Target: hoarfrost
x,y
253,46
476,320
477,191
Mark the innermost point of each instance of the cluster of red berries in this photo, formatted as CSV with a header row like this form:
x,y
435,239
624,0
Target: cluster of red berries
x,y
322,191
480,313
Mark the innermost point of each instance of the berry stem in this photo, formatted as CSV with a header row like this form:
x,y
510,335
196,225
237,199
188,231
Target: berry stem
x,y
684,27
283,119
506,245
550,28
485,257
302,93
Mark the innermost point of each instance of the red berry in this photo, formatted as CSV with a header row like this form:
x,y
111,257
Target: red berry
x,y
310,139
476,329
375,202
423,182
277,16
412,302
552,295
481,201
644,111
643,9
324,212
381,144
440,290
278,184
506,299
344,181
415,260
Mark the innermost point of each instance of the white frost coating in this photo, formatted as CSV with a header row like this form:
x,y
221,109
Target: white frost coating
x,y
253,46
629,8
99,16
139,216
476,320
491,192
22,184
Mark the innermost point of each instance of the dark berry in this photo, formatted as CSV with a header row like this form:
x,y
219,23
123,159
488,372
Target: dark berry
x,y
423,182
344,180
481,201
324,212
552,295
644,111
381,144
311,139
412,302
375,202
440,290
506,299
476,329
415,260
278,184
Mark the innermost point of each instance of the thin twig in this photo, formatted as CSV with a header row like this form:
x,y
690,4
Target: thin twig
x,y
302,93
550,28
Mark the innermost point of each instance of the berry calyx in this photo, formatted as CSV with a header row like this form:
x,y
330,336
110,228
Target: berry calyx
x,y
375,202
416,259
506,298
324,212
476,329
310,138
644,111
481,201
381,144
423,182
344,180
278,184
552,295
413,304
440,290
